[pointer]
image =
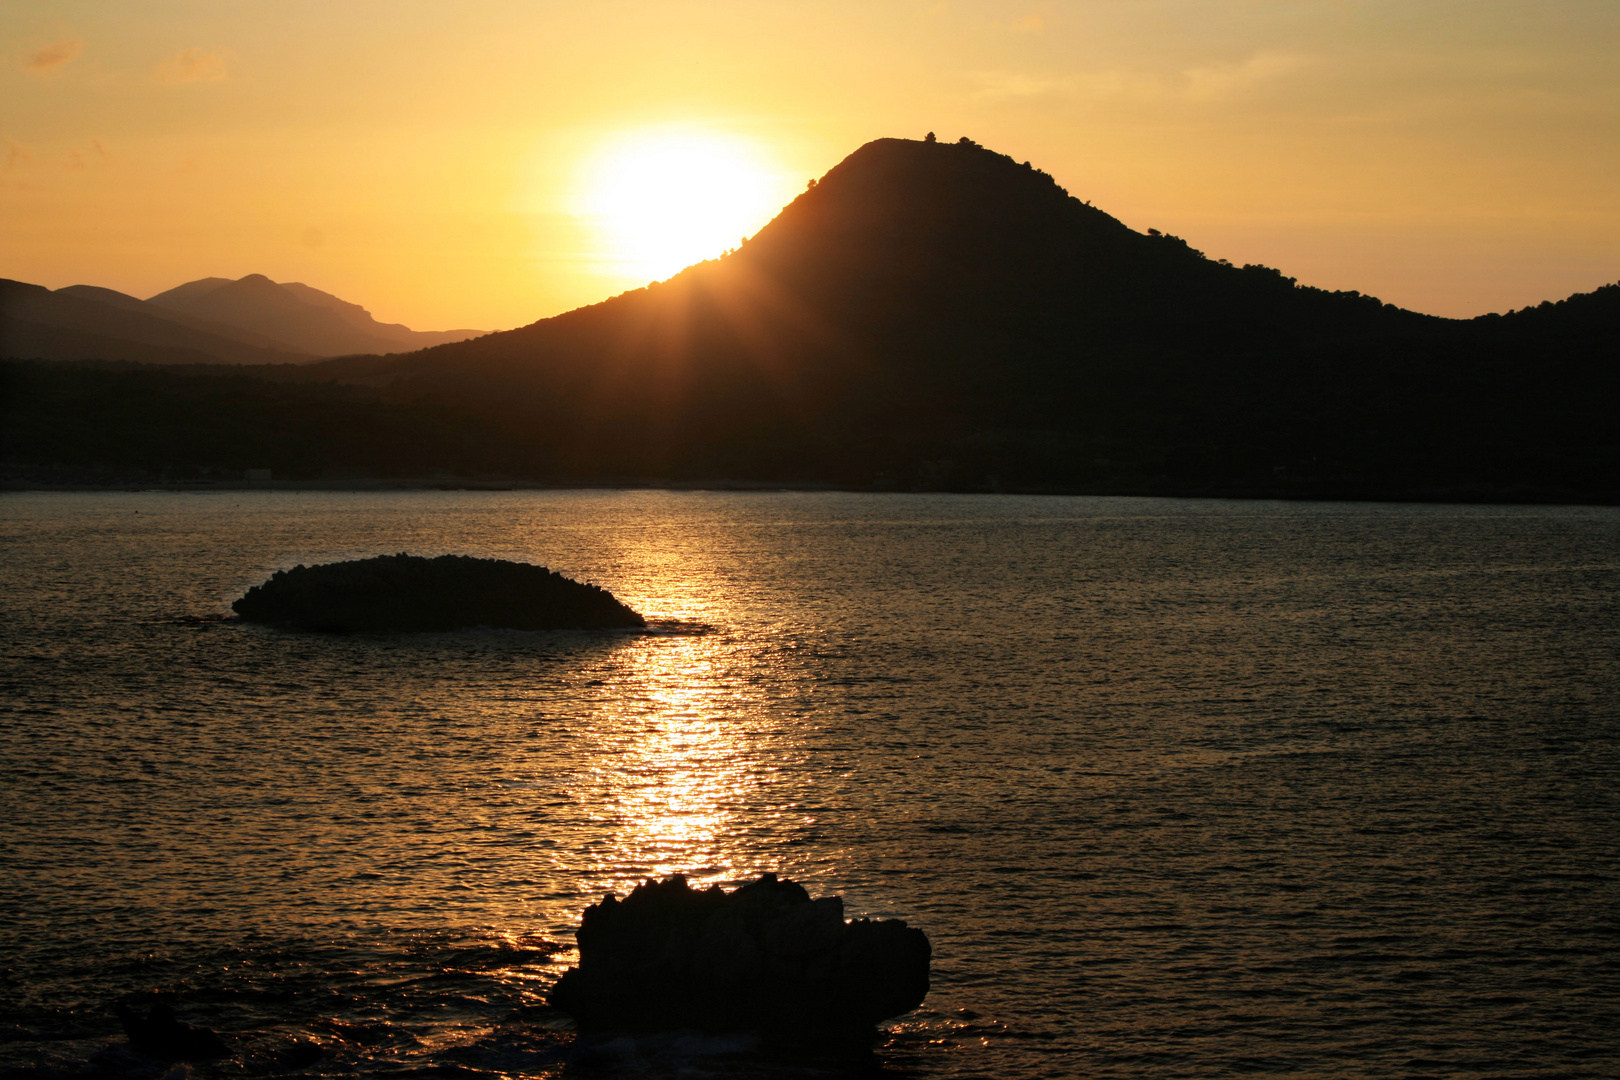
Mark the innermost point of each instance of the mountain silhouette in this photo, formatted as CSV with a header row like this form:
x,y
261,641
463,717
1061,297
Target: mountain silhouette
x,y
361,319
130,303
304,318
258,322
84,322
939,314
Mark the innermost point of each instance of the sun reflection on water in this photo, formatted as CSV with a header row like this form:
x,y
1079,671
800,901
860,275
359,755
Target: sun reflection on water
x,y
681,761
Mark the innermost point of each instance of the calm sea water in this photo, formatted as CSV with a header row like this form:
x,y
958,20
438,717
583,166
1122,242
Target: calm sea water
x,y
1177,788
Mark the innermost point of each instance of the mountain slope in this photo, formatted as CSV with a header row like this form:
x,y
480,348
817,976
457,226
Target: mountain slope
x,y
933,317
362,320
305,318
940,314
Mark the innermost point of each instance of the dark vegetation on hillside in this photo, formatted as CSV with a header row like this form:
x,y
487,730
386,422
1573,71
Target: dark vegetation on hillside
x,y
940,316
116,422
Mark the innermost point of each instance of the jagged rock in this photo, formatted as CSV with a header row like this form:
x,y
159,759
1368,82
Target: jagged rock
x,y
764,957
411,593
159,1034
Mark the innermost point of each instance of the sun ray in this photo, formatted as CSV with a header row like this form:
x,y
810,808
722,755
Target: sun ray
x,y
661,200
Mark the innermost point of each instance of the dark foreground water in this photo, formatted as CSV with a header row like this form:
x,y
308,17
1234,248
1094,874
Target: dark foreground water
x,y
1178,789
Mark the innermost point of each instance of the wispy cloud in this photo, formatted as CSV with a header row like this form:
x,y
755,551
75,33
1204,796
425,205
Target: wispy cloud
x,y
53,55
1010,86
79,158
17,155
195,65
1226,80
1212,82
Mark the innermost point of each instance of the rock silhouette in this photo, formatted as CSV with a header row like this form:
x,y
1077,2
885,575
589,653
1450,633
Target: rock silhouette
x,y
410,593
764,957
159,1034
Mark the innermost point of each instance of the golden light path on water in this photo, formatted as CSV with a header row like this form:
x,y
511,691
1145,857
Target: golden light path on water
x,y
683,765
674,754
678,750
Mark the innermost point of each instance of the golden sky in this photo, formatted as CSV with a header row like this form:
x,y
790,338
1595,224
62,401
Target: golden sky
x,y
477,163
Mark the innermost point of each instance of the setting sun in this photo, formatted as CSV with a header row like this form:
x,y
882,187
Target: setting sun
x,y
942,538
660,201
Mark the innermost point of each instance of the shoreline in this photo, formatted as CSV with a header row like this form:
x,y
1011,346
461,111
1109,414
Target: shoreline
x,y
1516,496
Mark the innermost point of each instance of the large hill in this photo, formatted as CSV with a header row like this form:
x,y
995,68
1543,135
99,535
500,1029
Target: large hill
x,y
940,316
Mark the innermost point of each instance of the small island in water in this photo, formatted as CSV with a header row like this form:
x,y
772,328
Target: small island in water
x,y
411,593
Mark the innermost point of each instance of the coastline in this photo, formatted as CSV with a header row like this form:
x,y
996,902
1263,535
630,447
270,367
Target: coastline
x,y
1304,491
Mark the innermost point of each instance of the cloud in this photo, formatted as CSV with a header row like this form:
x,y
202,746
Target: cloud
x,y
78,159
1032,24
1090,86
54,55
1212,82
194,65
1009,86
1225,80
17,155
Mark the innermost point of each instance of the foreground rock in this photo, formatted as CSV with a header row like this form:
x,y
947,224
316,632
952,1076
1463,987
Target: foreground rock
x,y
159,1034
765,957
409,593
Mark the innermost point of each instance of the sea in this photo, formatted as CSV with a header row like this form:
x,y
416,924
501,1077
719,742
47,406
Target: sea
x,y
1176,788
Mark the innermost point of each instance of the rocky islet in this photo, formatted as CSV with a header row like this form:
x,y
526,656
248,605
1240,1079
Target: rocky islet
x,y
411,593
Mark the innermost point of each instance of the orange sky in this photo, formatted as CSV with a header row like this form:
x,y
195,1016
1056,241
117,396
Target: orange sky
x,y
435,161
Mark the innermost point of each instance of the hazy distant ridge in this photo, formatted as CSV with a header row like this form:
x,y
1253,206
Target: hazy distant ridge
x,y
82,322
130,303
208,321
305,318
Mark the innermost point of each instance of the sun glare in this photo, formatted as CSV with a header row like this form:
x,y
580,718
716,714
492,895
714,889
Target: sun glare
x,y
662,201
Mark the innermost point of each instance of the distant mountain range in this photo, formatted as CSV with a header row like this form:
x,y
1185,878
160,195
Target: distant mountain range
x,y
251,320
939,316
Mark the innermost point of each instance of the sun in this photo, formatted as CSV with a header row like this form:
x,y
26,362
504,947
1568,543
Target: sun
x,y
659,201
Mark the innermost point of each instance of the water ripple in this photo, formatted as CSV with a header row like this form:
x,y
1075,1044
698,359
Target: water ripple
x,y
1177,789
